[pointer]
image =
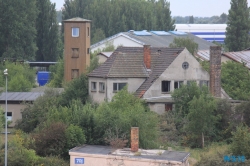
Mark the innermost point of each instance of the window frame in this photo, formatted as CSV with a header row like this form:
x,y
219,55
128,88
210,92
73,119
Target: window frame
x,y
9,117
179,84
102,87
93,86
72,32
166,83
116,86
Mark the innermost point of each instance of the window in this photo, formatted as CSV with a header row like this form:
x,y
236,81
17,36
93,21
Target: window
x,y
118,86
101,86
191,82
165,86
204,83
177,84
88,31
75,32
74,73
168,107
9,116
88,51
75,52
93,86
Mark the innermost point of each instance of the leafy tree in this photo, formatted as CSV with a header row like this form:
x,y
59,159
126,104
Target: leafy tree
x,y
21,78
242,113
201,114
76,89
235,78
48,41
191,46
238,26
241,142
98,35
35,113
57,74
17,29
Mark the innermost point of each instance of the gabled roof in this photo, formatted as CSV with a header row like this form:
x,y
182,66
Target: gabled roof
x,y
157,40
128,62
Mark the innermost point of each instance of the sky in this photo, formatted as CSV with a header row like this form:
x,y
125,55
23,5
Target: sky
x,y
196,8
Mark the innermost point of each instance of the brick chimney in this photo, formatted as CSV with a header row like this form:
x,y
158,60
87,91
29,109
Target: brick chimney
x,y
134,139
147,56
215,71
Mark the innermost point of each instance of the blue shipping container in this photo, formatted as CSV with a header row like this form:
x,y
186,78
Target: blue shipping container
x,y
42,77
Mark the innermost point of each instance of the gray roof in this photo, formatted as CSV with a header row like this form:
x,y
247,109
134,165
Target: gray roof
x,y
77,19
158,40
107,150
20,96
239,56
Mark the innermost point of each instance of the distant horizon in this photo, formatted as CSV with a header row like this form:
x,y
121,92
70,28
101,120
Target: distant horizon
x,y
183,8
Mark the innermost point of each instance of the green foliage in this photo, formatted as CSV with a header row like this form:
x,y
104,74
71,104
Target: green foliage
x,y
126,111
77,89
35,113
235,78
21,78
243,113
94,62
191,19
205,65
185,94
238,26
17,29
51,140
189,43
241,142
98,35
57,74
201,113
48,40
74,137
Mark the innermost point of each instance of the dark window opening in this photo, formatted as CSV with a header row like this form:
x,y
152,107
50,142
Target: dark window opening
x,y
165,86
178,84
118,86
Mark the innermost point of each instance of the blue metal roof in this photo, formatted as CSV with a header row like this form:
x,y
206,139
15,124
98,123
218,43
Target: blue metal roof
x,y
178,33
160,33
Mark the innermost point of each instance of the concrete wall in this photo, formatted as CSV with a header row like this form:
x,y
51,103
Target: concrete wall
x,y
132,83
175,72
118,41
16,112
159,108
113,160
101,58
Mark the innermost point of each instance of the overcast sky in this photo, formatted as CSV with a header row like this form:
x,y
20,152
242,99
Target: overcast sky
x,y
197,8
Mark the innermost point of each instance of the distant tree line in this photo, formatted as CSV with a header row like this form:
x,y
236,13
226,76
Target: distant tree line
x,y
222,19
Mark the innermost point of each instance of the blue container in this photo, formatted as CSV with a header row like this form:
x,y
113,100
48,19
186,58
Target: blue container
x,y
42,77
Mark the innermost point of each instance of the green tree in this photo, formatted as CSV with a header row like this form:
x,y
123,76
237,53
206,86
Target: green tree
x,y
238,26
57,74
201,117
48,40
17,29
21,78
191,20
241,142
235,78
191,46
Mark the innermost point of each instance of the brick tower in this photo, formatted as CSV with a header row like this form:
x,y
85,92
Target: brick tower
x,y
76,47
215,71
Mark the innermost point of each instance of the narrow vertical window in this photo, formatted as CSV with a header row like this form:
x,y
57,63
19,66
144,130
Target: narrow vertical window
x,y
165,86
88,31
93,86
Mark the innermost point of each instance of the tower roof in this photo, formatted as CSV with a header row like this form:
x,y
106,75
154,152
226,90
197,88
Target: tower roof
x,y
77,19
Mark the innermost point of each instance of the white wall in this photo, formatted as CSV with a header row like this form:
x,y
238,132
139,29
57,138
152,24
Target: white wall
x,y
133,85
118,41
175,72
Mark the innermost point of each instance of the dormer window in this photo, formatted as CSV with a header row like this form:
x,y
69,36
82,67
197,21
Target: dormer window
x,y
75,32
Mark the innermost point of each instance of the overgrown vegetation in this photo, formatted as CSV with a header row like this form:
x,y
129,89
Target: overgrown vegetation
x,y
189,43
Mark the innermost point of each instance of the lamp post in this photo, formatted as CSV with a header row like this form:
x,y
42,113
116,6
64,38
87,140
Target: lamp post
x,y
6,74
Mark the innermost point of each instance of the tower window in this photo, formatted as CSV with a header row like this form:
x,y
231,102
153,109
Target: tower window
x,y
75,52
74,73
75,32
88,31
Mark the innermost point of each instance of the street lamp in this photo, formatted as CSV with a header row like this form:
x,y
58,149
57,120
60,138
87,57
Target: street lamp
x,y
5,72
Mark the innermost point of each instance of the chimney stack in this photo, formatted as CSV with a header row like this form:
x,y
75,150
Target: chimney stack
x,y
134,139
147,56
215,71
